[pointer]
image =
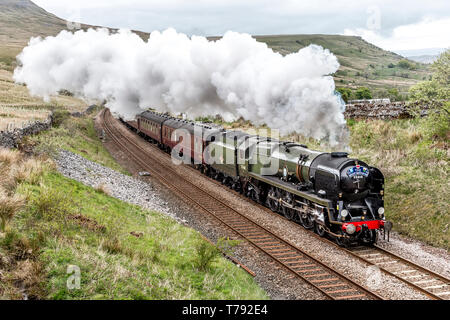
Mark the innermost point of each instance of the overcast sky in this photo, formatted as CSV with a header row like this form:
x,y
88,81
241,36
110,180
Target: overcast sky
x,y
392,25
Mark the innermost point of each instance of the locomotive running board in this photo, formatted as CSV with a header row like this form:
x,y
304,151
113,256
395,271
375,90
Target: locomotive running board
x,y
275,181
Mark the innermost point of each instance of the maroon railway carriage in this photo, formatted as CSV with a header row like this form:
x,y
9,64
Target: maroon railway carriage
x,y
169,139
161,128
134,124
150,123
201,135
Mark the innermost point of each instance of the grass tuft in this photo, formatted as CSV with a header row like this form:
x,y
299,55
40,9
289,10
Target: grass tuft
x,y
9,206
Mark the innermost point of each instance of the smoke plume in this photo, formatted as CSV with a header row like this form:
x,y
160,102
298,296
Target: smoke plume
x,y
234,76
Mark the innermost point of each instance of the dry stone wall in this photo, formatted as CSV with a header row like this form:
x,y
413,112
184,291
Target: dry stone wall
x,y
11,139
392,110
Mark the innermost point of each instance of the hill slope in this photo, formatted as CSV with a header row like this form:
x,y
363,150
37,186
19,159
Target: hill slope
x,y
22,19
362,64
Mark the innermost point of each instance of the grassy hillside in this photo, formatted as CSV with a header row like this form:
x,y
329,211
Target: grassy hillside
x,y
122,251
22,19
362,63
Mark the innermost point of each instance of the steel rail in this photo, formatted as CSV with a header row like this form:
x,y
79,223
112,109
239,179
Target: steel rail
x,y
399,276
320,276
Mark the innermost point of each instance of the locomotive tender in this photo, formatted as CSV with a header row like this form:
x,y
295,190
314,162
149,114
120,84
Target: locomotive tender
x,y
328,192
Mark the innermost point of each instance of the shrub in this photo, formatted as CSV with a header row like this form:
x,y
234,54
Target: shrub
x,y
9,206
346,93
429,90
438,87
205,254
363,93
405,64
51,204
59,116
393,94
441,68
437,123
391,65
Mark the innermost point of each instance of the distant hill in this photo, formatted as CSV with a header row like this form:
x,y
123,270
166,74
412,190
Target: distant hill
x,y
426,58
362,64
22,19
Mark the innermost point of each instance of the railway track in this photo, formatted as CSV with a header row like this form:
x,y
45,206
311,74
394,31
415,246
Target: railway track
x,y
322,277
432,284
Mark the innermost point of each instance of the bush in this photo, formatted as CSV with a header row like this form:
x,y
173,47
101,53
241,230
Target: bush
x,y
429,90
393,94
51,204
205,255
391,65
405,64
59,116
437,123
363,93
438,87
346,93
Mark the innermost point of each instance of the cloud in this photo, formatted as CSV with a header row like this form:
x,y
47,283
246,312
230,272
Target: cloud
x,y
215,17
428,33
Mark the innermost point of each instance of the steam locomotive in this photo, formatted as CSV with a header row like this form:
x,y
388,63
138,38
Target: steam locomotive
x,y
330,193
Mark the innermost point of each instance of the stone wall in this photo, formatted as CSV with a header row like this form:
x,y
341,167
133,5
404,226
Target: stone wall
x,y
11,139
393,110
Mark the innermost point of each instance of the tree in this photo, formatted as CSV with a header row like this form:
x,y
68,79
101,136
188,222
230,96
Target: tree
x,y
438,88
346,93
428,90
363,93
404,64
441,68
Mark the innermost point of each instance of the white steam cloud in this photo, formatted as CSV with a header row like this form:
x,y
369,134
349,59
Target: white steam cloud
x,y
234,76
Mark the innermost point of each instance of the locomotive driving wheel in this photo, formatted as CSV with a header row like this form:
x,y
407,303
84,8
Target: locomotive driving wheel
x,y
320,230
288,212
306,220
252,193
272,199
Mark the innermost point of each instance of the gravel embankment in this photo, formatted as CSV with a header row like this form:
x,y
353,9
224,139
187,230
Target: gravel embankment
x,y
151,195
117,185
